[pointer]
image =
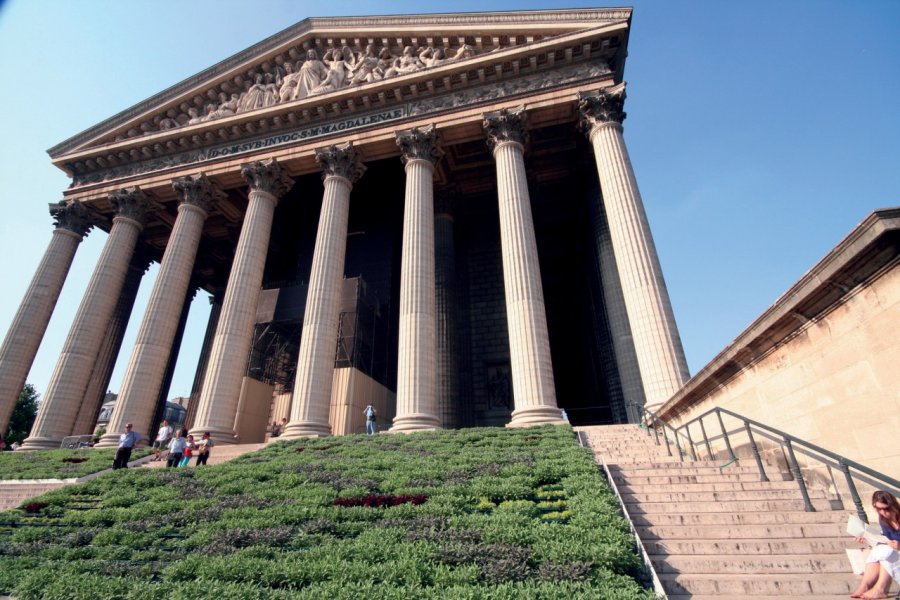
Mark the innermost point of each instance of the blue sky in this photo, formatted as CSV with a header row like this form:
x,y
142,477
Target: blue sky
x,y
761,133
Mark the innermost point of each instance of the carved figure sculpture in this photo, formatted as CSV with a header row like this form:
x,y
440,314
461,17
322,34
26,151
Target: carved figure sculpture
x,y
339,62
432,57
312,73
407,63
289,83
366,68
254,97
227,107
194,116
270,91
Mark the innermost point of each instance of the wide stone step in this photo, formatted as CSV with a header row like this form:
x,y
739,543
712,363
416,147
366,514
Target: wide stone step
x,y
742,597
679,469
724,486
736,532
732,519
735,546
725,496
712,478
743,506
758,584
756,564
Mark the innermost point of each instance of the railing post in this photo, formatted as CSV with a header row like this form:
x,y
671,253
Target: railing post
x,y
655,430
687,431
854,494
709,452
666,438
755,449
725,435
678,445
798,475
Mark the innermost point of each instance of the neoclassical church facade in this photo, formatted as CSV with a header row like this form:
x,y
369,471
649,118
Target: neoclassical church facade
x,y
433,214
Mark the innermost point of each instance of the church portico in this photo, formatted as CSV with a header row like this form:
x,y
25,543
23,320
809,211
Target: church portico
x,y
495,307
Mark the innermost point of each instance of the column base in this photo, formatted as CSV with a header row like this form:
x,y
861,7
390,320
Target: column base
x,y
415,422
109,440
218,436
39,443
305,429
537,415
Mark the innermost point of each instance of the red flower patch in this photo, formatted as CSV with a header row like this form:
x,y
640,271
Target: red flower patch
x,y
74,460
378,501
33,508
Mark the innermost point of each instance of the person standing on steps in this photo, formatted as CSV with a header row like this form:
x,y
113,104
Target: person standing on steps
x,y
203,448
371,415
883,563
162,440
126,442
176,449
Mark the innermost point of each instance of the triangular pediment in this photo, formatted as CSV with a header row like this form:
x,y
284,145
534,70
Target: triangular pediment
x,y
322,69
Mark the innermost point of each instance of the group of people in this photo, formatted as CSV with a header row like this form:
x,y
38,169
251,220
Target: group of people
x,y
338,68
883,562
278,428
180,447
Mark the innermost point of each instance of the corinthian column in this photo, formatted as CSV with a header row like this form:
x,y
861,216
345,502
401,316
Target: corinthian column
x,y
153,347
234,333
417,348
534,394
30,323
448,400
311,402
109,352
70,379
663,369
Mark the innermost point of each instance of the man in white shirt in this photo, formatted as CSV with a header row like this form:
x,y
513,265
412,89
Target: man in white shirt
x,y
370,413
162,440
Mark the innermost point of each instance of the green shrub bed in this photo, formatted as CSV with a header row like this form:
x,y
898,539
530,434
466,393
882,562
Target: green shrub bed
x,y
58,464
476,513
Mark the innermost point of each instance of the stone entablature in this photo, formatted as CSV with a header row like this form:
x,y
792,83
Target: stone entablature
x,y
446,72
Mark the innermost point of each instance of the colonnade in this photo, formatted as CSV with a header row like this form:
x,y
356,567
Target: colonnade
x,y
424,381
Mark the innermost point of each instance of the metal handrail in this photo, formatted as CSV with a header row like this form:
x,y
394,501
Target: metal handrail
x,y
787,443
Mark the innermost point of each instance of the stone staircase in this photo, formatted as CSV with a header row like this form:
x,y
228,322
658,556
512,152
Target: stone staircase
x,y
14,493
714,532
221,453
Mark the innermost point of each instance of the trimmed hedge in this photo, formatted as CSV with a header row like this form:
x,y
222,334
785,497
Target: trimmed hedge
x,y
475,513
58,464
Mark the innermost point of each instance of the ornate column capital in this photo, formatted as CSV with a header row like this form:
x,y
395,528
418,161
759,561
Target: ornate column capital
x,y
267,176
340,161
422,143
197,190
602,106
505,126
72,216
132,203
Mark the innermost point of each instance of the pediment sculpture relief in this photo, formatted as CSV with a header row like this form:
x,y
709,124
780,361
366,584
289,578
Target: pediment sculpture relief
x,y
290,81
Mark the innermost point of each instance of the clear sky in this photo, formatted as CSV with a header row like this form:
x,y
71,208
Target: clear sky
x,y
761,133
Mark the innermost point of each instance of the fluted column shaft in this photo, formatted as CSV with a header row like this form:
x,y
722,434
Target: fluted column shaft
x,y
534,393
202,363
445,308
315,366
30,323
617,315
69,382
153,346
109,352
417,349
417,345
657,344
234,334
